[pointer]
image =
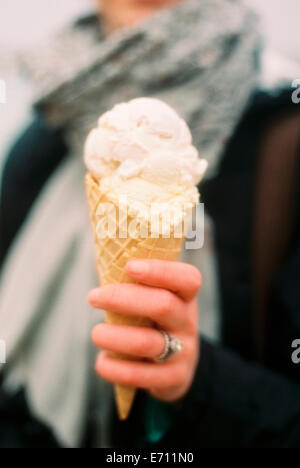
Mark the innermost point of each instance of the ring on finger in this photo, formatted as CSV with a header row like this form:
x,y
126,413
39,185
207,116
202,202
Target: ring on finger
x,y
172,346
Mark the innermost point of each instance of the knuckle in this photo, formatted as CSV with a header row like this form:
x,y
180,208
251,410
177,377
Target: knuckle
x,y
94,335
128,376
163,268
196,278
179,376
192,325
99,367
142,345
166,303
188,349
113,294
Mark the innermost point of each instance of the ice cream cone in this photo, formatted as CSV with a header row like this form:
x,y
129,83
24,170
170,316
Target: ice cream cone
x,y
143,172
112,255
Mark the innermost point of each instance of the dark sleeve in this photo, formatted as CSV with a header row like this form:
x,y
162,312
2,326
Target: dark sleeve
x,y
29,164
18,428
236,404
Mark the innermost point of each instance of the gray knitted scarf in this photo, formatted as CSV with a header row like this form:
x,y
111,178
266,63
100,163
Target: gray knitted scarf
x,y
199,56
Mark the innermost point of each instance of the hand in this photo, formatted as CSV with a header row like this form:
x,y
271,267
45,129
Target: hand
x,y
166,294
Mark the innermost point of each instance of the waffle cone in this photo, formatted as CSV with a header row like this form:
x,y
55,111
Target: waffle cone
x,y
112,255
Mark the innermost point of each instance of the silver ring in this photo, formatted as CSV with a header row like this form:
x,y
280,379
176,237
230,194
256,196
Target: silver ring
x,y
172,346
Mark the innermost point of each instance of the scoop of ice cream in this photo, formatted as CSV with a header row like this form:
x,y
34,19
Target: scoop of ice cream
x,y
139,190
144,138
146,201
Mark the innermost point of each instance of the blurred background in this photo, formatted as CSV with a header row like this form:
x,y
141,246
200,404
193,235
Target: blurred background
x,y
23,26
280,21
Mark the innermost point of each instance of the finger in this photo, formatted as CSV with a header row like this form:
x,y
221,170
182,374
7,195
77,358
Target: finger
x,y
159,305
141,374
181,278
133,341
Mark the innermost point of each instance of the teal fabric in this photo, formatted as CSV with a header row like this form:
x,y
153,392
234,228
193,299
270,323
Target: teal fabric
x,y
159,417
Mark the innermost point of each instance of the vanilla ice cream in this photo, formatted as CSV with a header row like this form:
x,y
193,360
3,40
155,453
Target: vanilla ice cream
x,y
144,138
143,150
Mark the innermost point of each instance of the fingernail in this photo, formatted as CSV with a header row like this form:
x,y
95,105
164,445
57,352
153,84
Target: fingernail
x,y
137,267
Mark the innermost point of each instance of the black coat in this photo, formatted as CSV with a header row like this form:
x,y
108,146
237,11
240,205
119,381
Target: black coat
x,y
234,400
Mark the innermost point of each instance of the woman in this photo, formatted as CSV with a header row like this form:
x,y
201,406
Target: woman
x,y
51,396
